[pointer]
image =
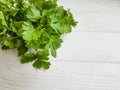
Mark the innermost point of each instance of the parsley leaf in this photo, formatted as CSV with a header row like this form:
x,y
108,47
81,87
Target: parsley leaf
x,y
33,14
30,33
54,44
41,64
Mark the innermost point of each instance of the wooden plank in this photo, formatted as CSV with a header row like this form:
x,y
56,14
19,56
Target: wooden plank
x,y
61,76
96,6
98,22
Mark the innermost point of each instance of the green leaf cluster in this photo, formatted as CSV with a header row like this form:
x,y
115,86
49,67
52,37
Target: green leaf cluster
x,y
34,28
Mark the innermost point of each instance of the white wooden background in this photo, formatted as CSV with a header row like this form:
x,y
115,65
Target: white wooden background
x,y
89,58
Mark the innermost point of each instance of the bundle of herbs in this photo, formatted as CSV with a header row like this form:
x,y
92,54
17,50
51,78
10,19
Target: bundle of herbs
x,y
36,25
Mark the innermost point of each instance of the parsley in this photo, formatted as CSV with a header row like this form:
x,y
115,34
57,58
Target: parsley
x,y
34,28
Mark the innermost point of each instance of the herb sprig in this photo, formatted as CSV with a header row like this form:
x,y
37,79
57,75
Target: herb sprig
x,y
34,28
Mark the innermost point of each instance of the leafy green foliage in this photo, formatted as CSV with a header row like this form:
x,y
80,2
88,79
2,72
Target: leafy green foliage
x,y
34,28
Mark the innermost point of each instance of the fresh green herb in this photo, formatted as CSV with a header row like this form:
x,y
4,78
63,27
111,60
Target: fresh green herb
x,y
34,28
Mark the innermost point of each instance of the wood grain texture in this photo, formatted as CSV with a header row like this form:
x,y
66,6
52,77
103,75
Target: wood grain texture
x,y
91,47
89,58
62,75
95,15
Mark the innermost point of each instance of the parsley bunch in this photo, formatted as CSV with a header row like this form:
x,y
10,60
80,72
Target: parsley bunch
x,y
34,28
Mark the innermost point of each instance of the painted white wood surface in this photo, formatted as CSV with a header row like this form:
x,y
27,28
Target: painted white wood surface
x,y
95,15
89,58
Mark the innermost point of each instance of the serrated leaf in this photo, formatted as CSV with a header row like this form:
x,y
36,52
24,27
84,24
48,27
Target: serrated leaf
x,y
43,55
59,24
39,3
30,33
54,44
26,58
34,13
9,43
41,64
